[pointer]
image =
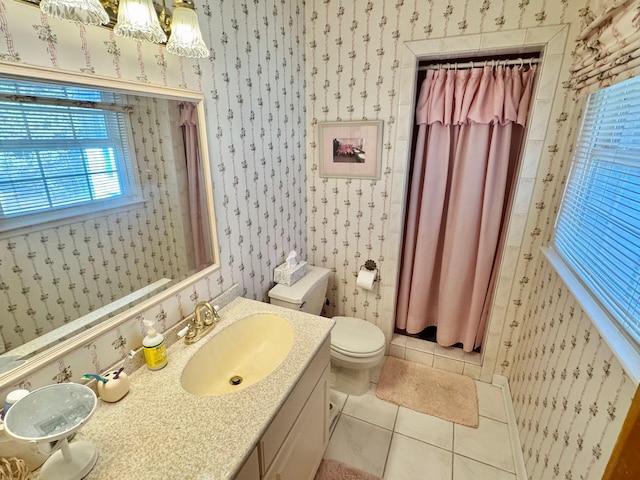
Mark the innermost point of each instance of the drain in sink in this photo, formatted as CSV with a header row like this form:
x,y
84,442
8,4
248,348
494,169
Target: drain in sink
x,y
235,380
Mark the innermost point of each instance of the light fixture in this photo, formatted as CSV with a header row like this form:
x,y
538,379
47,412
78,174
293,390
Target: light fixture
x,y
89,12
186,38
137,19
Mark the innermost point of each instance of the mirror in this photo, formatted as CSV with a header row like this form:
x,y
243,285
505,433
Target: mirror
x,y
92,221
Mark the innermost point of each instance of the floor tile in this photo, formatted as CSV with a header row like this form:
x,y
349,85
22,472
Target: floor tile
x,y
360,445
489,443
467,469
371,409
491,401
410,459
425,428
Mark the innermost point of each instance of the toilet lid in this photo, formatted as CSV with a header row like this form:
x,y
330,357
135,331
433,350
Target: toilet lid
x,y
356,336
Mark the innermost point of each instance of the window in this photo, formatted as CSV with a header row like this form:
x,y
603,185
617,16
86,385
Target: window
x,y
62,149
598,227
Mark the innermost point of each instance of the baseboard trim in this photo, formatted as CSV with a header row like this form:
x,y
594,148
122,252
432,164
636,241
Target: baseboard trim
x,y
518,457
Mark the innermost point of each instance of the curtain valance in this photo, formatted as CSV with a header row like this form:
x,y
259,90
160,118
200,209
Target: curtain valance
x,y
608,46
487,95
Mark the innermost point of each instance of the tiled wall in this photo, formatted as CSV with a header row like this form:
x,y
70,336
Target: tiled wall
x,y
568,420
53,275
253,85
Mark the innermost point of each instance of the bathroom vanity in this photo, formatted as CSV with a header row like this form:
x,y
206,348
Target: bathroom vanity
x,y
275,429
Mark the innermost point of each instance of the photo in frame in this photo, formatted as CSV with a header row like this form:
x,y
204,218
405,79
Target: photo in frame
x,y
350,149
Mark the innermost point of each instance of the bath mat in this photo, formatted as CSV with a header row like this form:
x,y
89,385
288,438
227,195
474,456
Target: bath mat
x,y
335,470
447,395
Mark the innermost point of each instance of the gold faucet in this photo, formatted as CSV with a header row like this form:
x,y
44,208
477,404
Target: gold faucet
x,y
203,320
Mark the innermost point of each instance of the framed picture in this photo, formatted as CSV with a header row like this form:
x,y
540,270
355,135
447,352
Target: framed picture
x,y
350,149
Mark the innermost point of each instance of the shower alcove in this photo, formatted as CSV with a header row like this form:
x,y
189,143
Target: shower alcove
x,y
546,42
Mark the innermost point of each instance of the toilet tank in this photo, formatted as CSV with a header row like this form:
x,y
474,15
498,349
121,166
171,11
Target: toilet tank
x,y
306,295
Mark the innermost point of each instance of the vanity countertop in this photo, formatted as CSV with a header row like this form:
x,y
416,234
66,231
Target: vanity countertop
x,y
160,431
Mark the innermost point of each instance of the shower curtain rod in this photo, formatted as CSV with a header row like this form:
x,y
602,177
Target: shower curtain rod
x,y
518,61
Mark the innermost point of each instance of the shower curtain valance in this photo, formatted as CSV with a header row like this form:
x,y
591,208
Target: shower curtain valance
x,y
488,95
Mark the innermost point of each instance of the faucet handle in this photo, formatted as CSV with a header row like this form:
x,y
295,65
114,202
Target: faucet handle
x,y
182,332
189,332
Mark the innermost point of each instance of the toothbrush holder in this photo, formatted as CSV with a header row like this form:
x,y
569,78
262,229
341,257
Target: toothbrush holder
x,y
116,387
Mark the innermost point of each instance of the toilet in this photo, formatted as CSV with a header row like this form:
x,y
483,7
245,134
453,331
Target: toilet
x,y
357,346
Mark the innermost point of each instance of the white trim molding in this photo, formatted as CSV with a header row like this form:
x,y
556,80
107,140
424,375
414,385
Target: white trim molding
x,y
518,458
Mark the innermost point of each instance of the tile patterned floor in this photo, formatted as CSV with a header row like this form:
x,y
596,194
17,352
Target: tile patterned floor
x,y
396,443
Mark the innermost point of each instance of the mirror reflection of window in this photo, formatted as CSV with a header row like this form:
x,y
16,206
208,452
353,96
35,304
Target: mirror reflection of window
x,y
95,210
62,148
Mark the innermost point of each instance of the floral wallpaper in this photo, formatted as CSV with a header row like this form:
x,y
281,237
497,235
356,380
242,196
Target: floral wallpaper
x,y
570,394
253,83
55,274
279,67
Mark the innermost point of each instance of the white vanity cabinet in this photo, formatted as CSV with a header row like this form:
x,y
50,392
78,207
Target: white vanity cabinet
x,y
293,445
251,468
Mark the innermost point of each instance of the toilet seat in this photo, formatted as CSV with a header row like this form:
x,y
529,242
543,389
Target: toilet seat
x,y
357,338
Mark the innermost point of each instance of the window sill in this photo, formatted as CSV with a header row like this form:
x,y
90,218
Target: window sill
x,y
41,221
620,345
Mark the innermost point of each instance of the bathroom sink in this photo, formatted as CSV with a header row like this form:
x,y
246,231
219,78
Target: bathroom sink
x,y
238,356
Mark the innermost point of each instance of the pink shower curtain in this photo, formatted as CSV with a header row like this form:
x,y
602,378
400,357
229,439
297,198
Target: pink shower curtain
x,y
470,129
197,199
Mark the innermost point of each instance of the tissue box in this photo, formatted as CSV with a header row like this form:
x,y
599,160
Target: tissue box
x,y
289,276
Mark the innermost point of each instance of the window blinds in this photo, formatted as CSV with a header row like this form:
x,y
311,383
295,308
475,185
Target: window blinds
x,y
598,226
55,155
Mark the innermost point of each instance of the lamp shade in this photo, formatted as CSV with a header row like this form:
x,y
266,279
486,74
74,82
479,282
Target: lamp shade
x,y
137,19
89,12
186,39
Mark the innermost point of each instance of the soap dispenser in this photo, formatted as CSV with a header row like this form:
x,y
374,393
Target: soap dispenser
x,y
155,351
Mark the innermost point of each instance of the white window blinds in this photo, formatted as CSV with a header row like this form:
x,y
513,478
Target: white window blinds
x,y
598,227
57,151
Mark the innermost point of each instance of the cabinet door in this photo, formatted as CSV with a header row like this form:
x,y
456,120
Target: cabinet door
x,y
302,451
250,470
277,432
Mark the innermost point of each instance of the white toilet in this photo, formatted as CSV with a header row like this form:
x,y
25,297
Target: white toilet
x,y
356,345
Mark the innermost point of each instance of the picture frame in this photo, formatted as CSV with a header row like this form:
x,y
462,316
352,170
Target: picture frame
x,y
351,149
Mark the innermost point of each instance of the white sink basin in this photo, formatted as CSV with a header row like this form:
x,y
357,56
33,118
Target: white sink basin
x,y
238,356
